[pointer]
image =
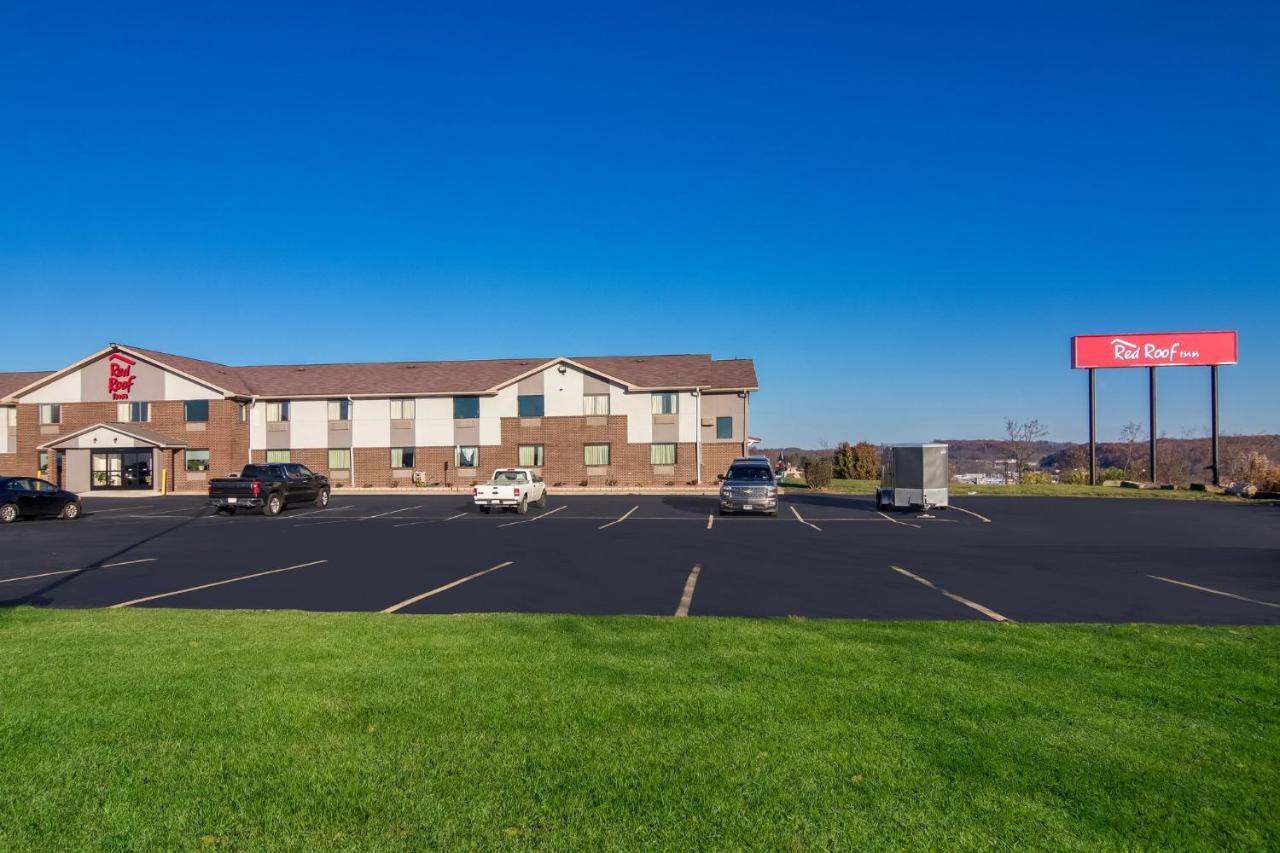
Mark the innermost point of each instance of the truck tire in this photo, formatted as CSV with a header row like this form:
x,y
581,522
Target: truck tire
x,y
542,501
523,506
485,510
272,507
322,499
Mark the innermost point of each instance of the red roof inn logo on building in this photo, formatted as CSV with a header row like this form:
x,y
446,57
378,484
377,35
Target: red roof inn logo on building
x,y
119,376
1154,350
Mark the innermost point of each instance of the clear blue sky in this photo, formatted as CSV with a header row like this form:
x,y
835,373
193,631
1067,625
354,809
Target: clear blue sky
x,y
901,210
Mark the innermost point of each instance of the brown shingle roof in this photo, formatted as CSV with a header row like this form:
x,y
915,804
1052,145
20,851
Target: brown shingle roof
x,y
439,377
10,382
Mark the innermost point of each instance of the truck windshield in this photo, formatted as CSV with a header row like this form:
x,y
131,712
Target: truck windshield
x,y
510,477
750,473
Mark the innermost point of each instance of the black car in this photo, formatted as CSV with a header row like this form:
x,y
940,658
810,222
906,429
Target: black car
x,y
27,497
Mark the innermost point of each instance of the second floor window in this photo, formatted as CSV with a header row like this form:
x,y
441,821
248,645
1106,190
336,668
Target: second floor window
x,y
666,404
278,412
195,411
50,413
530,405
137,413
339,410
402,410
595,404
724,427
465,408
11,416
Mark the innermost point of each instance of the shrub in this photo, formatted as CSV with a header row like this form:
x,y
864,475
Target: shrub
x,y
1038,478
843,461
1075,477
817,473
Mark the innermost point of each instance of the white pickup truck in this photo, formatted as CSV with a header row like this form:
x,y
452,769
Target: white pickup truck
x,y
511,488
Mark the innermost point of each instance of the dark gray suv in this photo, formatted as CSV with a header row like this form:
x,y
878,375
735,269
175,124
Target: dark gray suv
x,y
749,486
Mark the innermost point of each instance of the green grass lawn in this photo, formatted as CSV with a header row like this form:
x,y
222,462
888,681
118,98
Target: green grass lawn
x,y
165,729
867,487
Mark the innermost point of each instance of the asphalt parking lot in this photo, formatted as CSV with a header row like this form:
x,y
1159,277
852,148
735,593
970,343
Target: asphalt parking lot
x,y
1019,559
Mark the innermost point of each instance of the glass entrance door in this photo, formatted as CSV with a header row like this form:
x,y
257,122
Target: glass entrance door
x,y
120,469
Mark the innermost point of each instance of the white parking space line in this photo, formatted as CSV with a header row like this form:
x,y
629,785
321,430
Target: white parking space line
x,y
1215,591
895,521
157,516
394,511
409,524
686,598
316,511
985,611
711,520
459,515
800,519
971,512
72,571
215,583
393,608
535,518
115,509
620,520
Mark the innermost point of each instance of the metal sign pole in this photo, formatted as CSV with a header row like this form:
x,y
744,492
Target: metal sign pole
x,y
1093,431
1213,394
1152,469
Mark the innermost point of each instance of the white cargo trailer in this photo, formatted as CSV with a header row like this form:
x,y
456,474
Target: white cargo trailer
x,y
913,475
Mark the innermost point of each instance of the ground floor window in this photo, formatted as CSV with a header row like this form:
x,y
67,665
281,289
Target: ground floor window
x,y
43,463
662,454
339,459
531,455
467,457
197,460
594,455
277,456
120,469
402,457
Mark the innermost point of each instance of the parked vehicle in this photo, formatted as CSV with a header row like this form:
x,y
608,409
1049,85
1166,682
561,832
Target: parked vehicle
x,y
749,486
511,488
28,497
270,488
914,475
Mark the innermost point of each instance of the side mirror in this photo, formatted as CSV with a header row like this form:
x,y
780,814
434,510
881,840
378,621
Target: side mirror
x,y
719,478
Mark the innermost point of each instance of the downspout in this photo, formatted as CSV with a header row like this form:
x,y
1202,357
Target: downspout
x,y
697,432
351,413
248,420
746,422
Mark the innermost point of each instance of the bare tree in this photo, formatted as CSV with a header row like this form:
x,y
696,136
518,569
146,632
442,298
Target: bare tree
x,y
1022,439
1129,434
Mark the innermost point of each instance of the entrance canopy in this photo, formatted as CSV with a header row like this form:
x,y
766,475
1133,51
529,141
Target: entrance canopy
x,y
110,436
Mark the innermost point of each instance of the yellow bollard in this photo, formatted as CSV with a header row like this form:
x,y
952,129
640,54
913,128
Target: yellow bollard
x,y
164,481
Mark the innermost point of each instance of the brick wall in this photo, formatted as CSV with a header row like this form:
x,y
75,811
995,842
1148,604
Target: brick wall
x,y
224,436
562,439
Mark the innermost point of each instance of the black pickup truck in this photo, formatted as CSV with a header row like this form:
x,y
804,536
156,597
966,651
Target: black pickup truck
x,y
270,488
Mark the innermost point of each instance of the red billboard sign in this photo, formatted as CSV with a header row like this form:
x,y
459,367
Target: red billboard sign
x,y
1164,349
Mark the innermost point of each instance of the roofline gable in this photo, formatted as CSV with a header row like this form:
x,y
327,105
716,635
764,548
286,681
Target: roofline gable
x,y
106,351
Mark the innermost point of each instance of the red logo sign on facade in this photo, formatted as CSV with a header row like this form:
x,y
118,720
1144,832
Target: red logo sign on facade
x,y
1180,349
119,376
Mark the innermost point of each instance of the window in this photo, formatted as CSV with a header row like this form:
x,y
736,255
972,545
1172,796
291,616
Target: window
x,y
339,459
43,464
197,460
531,455
466,407
724,427
595,454
662,454
50,413
275,457
137,413
278,412
467,457
196,410
339,410
666,404
298,472
402,410
531,405
11,416
595,404
402,457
